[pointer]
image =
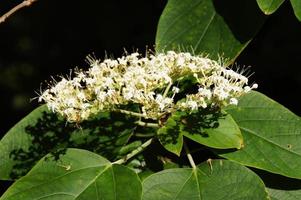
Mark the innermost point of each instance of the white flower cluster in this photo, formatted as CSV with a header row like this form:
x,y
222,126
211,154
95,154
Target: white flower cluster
x,y
150,82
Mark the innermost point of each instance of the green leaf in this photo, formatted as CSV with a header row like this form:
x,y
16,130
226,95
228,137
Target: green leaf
x,y
272,136
41,132
80,174
297,8
219,180
269,6
217,130
170,134
16,138
277,194
208,27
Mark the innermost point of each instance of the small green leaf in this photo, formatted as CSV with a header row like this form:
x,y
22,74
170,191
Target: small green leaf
x,y
223,133
277,194
170,134
208,27
78,175
216,130
272,136
269,6
297,8
219,180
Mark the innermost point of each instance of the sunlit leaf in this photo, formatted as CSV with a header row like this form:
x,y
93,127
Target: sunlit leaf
x,y
216,130
78,175
269,6
272,136
218,180
208,27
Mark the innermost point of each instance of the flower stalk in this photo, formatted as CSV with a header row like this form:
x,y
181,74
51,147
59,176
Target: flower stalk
x,y
147,124
134,152
189,156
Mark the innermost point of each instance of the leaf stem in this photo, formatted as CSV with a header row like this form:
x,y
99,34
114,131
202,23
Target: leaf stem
x,y
147,124
134,152
189,156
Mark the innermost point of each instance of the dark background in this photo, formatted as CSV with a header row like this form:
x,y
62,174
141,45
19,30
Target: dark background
x,y
53,36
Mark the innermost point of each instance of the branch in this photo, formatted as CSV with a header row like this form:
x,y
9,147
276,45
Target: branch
x,y
25,3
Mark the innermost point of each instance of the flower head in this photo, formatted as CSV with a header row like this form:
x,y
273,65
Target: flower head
x,y
151,82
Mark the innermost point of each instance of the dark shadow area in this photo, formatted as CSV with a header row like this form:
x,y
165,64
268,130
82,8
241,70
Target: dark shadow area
x,y
242,16
105,135
4,185
197,122
274,56
158,158
277,181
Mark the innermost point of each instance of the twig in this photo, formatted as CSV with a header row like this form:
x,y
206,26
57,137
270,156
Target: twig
x,y
134,152
147,124
135,114
144,135
189,156
25,3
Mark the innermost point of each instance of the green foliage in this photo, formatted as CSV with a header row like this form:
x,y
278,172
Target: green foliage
x,y
284,195
272,135
42,132
210,128
218,179
297,8
79,175
269,6
208,27
109,162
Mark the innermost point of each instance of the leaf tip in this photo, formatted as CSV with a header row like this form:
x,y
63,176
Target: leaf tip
x,y
241,144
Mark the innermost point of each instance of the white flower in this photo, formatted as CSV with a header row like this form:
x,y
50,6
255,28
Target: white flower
x,y
175,89
145,81
192,105
233,101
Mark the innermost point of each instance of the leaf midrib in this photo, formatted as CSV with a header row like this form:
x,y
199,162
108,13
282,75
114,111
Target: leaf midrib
x,y
177,19
94,180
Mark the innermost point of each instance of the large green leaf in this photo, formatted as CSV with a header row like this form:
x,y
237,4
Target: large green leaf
x,y
277,194
269,6
206,26
79,174
216,130
297,8
272,136
42,132
220,179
